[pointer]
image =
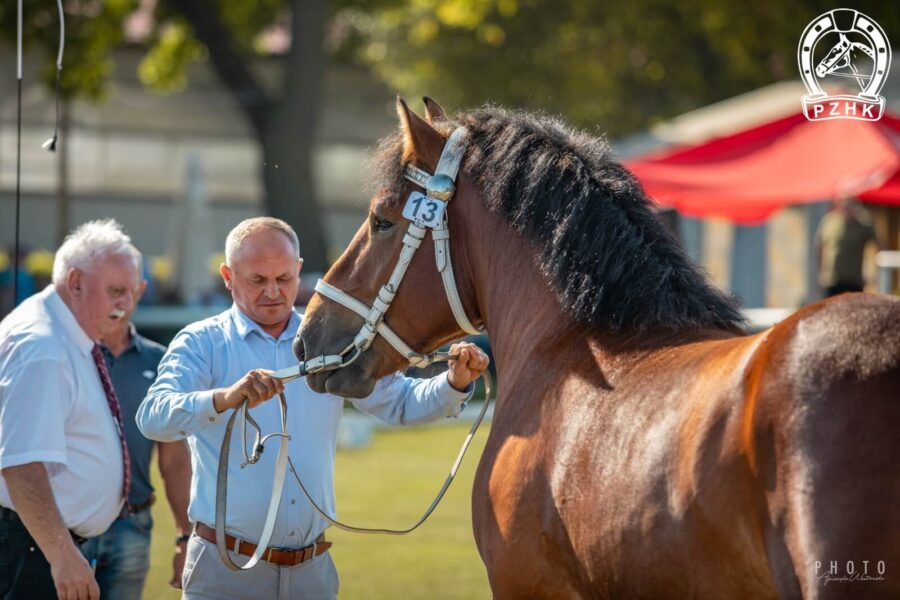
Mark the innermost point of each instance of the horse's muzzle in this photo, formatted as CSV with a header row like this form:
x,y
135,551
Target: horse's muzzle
x,y
351,381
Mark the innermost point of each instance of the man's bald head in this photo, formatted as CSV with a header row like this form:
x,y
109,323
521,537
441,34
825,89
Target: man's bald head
x,y
238,236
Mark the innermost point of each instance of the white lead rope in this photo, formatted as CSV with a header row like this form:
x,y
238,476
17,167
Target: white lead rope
x,y
277,484
437,499
283,461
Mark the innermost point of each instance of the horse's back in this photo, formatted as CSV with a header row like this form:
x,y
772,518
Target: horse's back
x,y
823,443
852,338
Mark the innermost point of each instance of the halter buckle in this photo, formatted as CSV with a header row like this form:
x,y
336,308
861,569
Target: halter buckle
x,y
322,363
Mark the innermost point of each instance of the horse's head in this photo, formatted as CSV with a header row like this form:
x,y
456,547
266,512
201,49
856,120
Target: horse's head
x,y
836,57
419,313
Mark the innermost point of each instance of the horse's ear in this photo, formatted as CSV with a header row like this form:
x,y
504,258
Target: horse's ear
x,y
421,141
433,110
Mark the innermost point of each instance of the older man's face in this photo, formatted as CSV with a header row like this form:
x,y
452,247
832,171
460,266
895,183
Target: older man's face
x,y
107,294
264,279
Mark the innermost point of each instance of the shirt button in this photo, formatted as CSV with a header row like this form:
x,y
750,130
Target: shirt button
x,y
182,433
293,501
292,533
211,419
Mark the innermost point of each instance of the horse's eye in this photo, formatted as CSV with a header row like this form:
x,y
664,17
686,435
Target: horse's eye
x,y
379,224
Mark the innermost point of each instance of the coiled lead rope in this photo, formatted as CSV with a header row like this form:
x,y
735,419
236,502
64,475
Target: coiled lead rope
x,y
283,461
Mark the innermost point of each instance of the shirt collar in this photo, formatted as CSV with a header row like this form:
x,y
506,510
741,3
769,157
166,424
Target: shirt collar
x,y
134,340
244,324
134,343
68,321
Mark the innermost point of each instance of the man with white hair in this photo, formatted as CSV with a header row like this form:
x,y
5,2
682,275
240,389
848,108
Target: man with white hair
x,y
213,365
63,460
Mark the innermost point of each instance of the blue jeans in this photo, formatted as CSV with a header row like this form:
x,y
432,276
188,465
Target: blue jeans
x,y
123,556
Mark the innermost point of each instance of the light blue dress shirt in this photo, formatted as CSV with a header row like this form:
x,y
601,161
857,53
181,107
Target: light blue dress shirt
x,y
218,351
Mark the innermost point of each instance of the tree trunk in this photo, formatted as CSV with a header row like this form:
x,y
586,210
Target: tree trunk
x,y
285,127
289,139
290,192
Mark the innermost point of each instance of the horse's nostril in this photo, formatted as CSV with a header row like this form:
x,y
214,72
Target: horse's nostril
x,y
299,349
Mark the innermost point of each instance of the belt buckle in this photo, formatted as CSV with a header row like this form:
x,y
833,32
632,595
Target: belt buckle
x,y
277,549
79,541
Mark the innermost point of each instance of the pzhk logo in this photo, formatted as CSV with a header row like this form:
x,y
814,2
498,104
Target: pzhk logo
x,y
847,46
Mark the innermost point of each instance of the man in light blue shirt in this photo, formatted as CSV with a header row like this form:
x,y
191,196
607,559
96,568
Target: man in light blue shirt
x,y
212,365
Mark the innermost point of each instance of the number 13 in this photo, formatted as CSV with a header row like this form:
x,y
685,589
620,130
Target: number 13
x,y
431,209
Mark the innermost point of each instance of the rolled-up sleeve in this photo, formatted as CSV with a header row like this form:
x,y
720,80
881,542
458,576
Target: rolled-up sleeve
x,y
35,398
401,400
179,403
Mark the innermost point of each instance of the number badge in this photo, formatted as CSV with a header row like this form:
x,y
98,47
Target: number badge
x,y
424,211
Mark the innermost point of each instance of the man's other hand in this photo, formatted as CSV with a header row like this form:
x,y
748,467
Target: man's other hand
x,y
468,367
178,565
73,577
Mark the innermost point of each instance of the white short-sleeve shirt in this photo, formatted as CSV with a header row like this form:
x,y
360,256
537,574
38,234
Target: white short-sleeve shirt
x,y
53,410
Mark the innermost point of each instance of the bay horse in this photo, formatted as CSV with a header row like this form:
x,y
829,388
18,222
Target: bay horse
x,y
642,445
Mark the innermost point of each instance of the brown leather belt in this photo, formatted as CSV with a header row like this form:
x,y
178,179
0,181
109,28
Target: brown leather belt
x,y
136,508
283,557
132,509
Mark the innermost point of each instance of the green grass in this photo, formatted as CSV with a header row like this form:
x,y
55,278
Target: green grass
x,y
387,484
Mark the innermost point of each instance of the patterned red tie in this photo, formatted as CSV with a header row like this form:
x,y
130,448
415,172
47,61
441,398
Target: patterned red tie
x,y
113,403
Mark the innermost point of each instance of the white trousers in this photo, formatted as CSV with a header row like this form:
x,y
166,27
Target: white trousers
x,y
206,578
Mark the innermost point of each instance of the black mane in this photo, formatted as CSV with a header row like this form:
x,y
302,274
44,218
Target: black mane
x,y
613,263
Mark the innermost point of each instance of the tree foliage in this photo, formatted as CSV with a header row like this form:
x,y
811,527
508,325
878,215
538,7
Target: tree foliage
x,y
618,65
93,29
175,44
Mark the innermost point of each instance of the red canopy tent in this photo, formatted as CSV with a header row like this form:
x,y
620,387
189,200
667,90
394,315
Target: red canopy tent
x,y
749,175
889,192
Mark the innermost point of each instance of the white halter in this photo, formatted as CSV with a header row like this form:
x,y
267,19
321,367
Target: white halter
x,y
440,187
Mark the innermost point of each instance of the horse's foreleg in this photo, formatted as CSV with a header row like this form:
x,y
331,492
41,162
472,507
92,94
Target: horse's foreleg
x,y
834,518
516,529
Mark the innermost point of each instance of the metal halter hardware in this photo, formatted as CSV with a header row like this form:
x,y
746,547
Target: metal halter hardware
x,y
440,186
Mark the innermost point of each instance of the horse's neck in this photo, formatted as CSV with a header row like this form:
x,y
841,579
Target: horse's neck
x,y
520,308
524,318
528,328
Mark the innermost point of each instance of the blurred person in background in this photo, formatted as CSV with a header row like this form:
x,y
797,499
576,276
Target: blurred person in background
x,y
213,365
841,240
64,468
122,553
7,274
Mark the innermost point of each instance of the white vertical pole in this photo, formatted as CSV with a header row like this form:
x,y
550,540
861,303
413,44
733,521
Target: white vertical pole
x,y
19,42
